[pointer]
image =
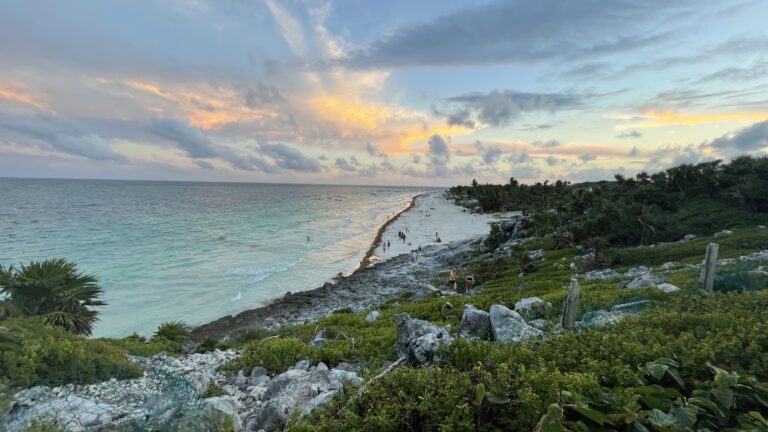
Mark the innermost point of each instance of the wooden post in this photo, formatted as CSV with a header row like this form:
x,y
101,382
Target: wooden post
x,y
571,305
707,278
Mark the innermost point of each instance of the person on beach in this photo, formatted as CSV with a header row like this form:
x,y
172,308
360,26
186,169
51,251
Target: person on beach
x,y
452,279
413,255
389,244
469,283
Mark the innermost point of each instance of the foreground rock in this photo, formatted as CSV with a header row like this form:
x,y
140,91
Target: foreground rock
x,y
509,326
299,390
532,307
419,341
475,323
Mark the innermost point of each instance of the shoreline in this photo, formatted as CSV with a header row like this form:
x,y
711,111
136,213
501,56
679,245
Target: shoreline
x,y
380,233
369,286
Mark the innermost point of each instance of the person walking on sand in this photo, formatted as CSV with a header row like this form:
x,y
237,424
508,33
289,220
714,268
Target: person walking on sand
x,y
389,245
469,283
452,279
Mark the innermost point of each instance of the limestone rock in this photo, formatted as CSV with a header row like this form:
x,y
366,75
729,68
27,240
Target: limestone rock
x,y
508,326
667,287
632,307
475,323
227,406
419,340
646,280
598,319
532,307
372,316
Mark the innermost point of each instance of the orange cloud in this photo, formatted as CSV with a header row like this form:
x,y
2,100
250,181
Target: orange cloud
x,y
655,119
202,106
20,93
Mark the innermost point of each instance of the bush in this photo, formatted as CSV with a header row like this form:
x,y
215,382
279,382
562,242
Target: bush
x,y
34,353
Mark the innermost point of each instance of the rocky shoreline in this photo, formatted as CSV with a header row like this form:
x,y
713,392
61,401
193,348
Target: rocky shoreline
x,y
366,288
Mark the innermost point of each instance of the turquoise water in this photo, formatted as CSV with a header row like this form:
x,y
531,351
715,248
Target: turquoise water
x,y
167,251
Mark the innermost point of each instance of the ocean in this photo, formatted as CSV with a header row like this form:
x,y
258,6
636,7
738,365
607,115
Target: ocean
x,y
168,251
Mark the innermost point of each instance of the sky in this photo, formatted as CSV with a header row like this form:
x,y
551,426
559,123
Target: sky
x,y
402,92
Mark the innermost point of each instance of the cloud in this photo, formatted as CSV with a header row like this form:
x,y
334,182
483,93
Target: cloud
x,y
500,107
489,154
586,157
633,152
537,127
59,135
552,161
261,94
749,139
655,119
291,159
733,74
343,165
521,31
546,144
594,174
372,149
629,134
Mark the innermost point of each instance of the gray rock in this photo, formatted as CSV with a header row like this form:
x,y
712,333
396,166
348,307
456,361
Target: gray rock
x,y
541,324
228,407
669,265
667,287
598,319
646,280
319,340
689,237
600,274
273,413
475,323
536,254
637,271
508,326
258,371
302,365
372,316
723,233
631,308
240,379
419,340
532,307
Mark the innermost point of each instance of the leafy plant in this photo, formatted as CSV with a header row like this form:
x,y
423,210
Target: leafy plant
x,y
53,290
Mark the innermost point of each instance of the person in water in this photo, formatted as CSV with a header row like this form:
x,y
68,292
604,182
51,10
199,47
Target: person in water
x,y
307,239
470,282
452,279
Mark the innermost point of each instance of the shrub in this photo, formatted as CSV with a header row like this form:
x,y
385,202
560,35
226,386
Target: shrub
x,y
34,353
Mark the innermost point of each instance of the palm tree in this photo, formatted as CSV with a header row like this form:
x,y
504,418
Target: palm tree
x,y
53,290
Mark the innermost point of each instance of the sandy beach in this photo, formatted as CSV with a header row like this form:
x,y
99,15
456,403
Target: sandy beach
x,y
432,217
391,273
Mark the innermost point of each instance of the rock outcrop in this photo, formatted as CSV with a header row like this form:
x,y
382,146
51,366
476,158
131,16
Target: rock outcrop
x,y
508,326
419,341
475,323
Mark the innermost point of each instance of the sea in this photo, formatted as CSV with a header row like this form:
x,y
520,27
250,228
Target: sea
x,y
189,251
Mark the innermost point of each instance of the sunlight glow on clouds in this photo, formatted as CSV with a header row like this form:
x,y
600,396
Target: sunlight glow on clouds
x,y
396,93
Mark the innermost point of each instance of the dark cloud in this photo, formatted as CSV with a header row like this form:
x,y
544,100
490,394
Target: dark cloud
x,y
519,157
204,164
629,134
734,74
261,95
749,139
289,158
372,149
192,141
586,157
633,152
489,154
343,165
58,135
537,127
552,161
500,107
521,31
546,144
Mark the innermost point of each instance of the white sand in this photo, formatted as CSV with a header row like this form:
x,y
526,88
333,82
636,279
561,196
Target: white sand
x,y
434,214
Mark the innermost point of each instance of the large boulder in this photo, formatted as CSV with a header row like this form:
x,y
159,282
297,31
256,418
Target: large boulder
x,y
532,307
515,228
508,326
643,281
224,407
475,323
302,390
418,340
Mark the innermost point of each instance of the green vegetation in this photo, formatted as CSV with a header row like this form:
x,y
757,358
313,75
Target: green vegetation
x,y
664,206
35,353
53,290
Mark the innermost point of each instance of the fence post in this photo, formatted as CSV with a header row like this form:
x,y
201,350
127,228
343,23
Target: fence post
x,y
571,305
707,278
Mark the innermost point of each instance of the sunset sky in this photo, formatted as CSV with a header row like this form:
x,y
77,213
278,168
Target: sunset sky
x,y
415,92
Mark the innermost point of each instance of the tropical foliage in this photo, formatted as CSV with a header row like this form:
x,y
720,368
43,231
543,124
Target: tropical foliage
x,y
54,291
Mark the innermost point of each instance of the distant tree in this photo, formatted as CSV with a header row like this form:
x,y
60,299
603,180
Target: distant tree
x,y
53,290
